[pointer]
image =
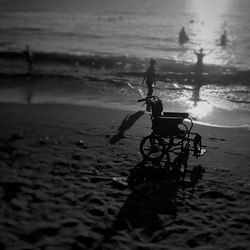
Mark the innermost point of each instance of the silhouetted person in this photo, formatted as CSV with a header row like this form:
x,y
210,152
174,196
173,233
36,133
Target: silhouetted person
x,y
223,39
199,67
149,76
183,38
29,58
200,55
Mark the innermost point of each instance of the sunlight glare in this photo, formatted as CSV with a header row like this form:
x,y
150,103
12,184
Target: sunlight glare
x,y
209,14
201,110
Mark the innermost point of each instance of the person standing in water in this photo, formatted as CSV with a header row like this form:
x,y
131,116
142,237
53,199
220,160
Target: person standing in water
x,y
29,58
183,38
199,67
199,63
223,39
149,77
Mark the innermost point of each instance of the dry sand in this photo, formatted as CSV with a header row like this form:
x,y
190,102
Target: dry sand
x,y
56,170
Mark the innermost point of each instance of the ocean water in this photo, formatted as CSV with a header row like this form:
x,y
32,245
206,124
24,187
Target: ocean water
x,y
112,41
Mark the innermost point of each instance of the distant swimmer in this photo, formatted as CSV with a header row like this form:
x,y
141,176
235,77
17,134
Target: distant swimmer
x,y
224,39
149,76
29,58
183,38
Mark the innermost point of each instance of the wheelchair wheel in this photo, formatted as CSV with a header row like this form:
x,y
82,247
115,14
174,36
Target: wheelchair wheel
x,y
152,148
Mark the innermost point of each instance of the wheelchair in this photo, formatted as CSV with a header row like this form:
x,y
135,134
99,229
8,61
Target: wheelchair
x,y
171,142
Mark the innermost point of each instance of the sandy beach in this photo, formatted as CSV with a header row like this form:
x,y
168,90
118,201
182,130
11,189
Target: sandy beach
x,y
56,170
71,170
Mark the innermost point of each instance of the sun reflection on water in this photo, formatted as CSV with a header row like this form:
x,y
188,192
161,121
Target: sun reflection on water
x,y
210,23
200,110
199,107
210,17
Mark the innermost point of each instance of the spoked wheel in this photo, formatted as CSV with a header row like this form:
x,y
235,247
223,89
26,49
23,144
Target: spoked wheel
x,y
152,148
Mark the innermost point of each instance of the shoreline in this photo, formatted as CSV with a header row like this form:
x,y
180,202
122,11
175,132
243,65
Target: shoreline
x,y
97,105
210,104
115,92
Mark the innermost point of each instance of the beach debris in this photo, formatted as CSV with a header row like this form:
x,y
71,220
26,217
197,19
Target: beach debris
x,y
48,140
120,182
81,144
44,140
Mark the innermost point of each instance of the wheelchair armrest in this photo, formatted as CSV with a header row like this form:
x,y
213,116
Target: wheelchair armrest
x,y
183,115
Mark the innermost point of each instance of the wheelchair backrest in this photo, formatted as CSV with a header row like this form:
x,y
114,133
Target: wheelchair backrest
x,y
157,108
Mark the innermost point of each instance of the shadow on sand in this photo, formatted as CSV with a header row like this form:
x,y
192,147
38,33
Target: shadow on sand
x,y
126,124
149,208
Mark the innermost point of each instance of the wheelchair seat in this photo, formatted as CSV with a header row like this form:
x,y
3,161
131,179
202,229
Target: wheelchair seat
x,y
168,126
157,110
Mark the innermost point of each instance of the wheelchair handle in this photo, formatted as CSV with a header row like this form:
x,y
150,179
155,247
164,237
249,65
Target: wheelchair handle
x,y
142,100
148,98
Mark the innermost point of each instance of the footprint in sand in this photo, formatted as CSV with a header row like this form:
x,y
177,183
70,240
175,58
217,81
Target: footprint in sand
x,y
216,139
216,195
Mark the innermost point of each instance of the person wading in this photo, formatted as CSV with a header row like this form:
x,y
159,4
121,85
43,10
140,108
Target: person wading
x,y
149,77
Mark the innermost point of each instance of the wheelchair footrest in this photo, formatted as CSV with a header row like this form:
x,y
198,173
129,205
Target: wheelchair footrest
x,y
203,151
